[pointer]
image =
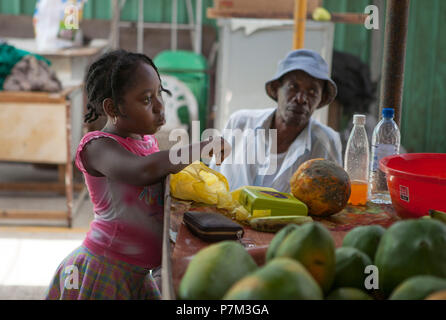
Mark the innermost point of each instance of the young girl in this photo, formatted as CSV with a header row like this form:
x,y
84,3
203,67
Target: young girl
x,y
123,170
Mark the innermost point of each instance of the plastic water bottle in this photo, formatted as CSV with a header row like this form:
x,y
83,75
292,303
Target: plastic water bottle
x,y
385,142
356,161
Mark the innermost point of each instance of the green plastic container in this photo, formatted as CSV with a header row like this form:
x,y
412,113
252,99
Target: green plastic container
x,y
190,68
262,203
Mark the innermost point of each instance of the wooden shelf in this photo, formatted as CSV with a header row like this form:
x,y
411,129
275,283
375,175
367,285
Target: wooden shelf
x,y
37,97
95,47
35,214
352,18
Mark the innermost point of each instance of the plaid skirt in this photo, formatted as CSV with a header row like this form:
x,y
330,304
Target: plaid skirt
x,y
85,276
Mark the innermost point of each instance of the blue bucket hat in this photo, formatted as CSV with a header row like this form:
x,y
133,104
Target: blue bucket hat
x,y
310,62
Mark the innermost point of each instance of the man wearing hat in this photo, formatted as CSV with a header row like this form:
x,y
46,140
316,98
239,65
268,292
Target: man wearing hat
x,y
301,85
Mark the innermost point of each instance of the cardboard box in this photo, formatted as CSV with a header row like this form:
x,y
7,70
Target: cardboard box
x,y
262,7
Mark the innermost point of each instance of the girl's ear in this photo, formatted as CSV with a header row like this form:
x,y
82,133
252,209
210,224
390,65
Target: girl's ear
x,y
109,107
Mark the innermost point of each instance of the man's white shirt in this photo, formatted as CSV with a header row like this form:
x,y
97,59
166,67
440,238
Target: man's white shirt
x,y
251,159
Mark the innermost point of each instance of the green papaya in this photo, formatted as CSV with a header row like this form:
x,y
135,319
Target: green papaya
x,y
410,248
350,267
214,269
438,295
277,240
348,294
312,245
280,279
365,239
418,288
438,215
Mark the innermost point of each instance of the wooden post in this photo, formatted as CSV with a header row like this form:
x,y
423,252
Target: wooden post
x,y
61,174
300,16
397,19
140,28
114,24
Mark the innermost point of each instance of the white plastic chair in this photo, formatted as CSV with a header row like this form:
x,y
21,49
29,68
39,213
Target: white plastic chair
x,y
181,96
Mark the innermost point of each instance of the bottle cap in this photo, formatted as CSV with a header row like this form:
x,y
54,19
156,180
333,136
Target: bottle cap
x,y
388,112
359,119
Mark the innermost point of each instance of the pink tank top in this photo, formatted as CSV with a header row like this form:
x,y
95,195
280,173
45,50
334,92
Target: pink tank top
x,y
128,220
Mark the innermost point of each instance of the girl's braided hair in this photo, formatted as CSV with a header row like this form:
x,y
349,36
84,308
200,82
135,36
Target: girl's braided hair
x,y
109,77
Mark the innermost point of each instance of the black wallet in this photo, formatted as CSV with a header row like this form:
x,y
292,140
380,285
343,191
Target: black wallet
x,y
212,226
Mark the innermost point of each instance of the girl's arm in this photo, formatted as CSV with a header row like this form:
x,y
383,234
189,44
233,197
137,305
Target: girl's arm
x,y
105,157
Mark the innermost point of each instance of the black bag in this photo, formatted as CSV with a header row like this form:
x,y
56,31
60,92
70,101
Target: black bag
x,y
212,226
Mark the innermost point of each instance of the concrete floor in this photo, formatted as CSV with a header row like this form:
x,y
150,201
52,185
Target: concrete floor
x,y
30,251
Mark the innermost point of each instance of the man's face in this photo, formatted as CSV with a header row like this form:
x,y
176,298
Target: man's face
x,y
298,95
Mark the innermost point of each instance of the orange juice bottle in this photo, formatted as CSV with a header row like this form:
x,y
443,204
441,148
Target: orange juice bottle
x,y
357,161
358,196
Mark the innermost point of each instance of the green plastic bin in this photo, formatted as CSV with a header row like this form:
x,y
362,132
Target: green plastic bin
x,y
190,68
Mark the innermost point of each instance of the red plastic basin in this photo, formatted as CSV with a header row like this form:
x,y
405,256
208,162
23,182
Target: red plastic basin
x,y
416,182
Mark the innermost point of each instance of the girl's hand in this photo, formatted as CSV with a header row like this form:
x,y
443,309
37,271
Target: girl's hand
x,y
220,148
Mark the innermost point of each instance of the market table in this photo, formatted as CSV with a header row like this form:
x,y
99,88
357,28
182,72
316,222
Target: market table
x,y
186,245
